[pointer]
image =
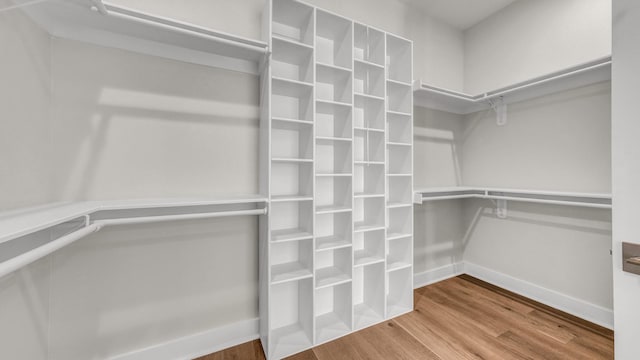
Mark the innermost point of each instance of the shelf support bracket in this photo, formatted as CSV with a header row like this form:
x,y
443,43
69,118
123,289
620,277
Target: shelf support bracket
x,y
500,108
501,209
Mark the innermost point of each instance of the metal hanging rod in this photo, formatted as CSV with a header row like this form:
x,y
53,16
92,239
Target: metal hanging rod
x,y
38,253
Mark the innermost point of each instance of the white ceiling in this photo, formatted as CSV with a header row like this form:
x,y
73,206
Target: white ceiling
x,y
462,14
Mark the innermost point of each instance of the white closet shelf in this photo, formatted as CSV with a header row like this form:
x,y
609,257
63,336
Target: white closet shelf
x,y
368,63
293,271
334,242
593,200
285,235
460,103
368,96
368,129
331,276
124,28
334,67
364,257
332,209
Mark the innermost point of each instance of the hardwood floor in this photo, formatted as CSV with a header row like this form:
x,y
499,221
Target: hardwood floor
x,y
462,318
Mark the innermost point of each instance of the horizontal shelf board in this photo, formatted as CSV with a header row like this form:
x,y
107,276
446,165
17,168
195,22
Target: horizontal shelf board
x,y
459,103
399,83
329,138
395,205
369,162
290,235
291,82
24,221
396,236
334,67
291,198
334,103
333,175
389,143
364,258
330,326
289,340
368,64
292,271
141,32
367,96
368,129
332,209
295,121
393,265
361,227
399,113
400,175
366,195
292,160
331,276
291,41
364,316
325,243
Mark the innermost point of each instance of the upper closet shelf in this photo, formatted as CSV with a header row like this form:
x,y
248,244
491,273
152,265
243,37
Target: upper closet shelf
x,y
593,200
118,27
460,103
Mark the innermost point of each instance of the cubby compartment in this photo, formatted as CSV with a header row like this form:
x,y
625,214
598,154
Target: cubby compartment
x,y
333,157
333,231
400,191
399,129
333,121
368,44
290,181
399,159
290,100
291,220
333,312
333,84
333,267
368,295
368,247
291,318
400,222
399,98
293,21
368,180
291,140
333,40
369,146
333,194
400,254
368,214
399,59
290,61
400,292
368,80
368,113
291,261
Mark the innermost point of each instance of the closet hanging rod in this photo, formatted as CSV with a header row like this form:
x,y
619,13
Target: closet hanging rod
x,y
172,25
38,253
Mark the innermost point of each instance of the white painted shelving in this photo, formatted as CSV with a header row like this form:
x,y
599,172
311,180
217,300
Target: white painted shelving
x,y
339,111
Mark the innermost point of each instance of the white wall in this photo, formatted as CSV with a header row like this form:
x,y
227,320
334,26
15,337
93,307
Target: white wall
x,y
532,38
24,100
438,47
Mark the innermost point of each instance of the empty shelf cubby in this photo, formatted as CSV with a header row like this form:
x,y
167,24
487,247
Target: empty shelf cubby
x,y
400,254
333,40
333,312
333,267
400,191
399,129
368,80
400,222
399,160
290,220
333,85
368,214
399,54
368,295
333,157
290,61
368,180
400,292
399,98
368,247
293,21
369,146
368,113
333,231
333,121
291,100
368,45
291,179
291,140
291,322
333,194
291,261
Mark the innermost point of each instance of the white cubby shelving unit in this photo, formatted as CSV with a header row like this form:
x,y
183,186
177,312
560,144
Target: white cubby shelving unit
x,y
337,101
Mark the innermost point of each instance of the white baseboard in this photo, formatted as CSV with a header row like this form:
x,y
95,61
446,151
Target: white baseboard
x,y
590,312
200,344
435,275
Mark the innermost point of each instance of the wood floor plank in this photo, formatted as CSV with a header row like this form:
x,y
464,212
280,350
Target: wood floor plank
x,y
461,318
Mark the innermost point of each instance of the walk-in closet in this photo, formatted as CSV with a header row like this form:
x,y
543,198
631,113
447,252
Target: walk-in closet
x,y
319,179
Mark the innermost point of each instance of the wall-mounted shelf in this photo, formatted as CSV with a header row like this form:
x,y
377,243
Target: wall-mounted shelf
x,y
593,200
30,234
136,31
459,103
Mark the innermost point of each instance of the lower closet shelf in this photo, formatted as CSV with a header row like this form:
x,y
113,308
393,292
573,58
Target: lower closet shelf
x,y
365,316
330,326
288,340
331,276
292,271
